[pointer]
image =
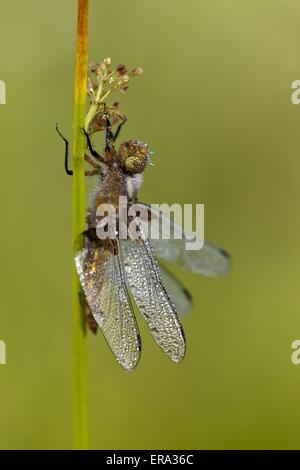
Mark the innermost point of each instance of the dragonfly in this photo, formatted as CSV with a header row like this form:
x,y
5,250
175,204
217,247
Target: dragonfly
x,y
113,272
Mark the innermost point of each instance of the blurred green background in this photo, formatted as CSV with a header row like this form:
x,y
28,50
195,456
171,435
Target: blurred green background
x,y
214,105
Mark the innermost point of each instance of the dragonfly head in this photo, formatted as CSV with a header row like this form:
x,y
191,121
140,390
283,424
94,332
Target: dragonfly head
x,y
135,156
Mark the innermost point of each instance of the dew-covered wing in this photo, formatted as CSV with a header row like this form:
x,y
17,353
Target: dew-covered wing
x,y
151,298
210,260
179,295
102,278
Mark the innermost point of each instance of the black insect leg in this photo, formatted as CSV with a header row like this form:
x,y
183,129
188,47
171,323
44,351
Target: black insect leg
x,y
117,133
93,163
90,146
109,135
69,172
92,150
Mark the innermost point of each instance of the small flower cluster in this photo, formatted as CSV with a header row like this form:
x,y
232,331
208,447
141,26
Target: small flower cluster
x,y
103,81
112,80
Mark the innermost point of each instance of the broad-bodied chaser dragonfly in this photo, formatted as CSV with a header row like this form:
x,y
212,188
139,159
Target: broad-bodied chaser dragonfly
x,y
109,269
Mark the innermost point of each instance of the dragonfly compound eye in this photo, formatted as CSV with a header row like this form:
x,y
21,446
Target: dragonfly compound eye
x,y
135,156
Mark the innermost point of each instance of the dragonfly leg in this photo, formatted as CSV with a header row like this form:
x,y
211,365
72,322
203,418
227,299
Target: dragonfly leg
x,y
116,134
91,148
93,162
69,172
92,172
109,135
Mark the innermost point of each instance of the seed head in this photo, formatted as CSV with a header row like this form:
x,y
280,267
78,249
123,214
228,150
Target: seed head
x,y
137,71
121,69
107,61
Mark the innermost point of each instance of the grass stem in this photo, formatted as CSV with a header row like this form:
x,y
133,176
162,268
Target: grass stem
x,y
79,329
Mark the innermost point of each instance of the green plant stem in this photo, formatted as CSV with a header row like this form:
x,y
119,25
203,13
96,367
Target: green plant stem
x,y
79,328
94,107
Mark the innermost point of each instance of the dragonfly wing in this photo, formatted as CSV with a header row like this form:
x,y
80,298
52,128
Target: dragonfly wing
x,y
180,297
102,279
151,298
210,260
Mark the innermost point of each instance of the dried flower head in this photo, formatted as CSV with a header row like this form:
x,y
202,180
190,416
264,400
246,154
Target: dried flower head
x,y
136,72
107,61
121,69
103,82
